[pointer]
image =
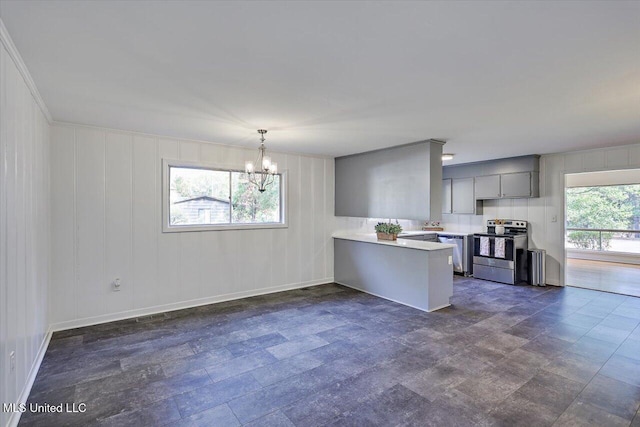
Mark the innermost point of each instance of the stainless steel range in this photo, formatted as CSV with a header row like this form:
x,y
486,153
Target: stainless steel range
x,y
501,257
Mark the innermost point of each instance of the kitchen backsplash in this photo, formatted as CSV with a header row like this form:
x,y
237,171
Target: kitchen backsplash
x,y
366,225
464,223
507,209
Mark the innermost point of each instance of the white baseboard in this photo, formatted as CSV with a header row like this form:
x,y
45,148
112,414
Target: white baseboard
x,y
554,282
122,315
14,418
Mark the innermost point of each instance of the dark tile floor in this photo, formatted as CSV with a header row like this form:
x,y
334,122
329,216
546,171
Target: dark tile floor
x,y
328,355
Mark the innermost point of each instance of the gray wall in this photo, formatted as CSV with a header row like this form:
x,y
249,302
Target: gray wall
x,y
400,182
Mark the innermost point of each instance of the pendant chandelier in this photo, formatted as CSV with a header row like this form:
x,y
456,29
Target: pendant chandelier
x,y
262,172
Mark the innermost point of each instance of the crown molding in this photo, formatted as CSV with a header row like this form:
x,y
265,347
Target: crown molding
x,y
6,40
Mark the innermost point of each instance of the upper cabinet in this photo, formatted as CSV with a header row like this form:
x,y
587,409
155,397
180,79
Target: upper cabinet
x,y
458,198
487,187
520,184
462,199
446,196
516,177
507,186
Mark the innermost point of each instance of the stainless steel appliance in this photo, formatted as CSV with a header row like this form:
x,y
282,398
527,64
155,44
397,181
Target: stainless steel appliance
x,y
462,253
536,265
501,257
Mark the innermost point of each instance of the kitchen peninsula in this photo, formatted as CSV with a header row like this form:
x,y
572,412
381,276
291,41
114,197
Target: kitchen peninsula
x,y
414,273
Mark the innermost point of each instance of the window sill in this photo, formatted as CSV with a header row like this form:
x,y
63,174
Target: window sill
x,y
199,228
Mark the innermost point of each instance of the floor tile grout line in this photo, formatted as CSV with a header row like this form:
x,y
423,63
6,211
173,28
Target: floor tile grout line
x,y
398,333
589,382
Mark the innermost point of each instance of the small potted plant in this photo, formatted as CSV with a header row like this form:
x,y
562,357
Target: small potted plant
x,y
388,231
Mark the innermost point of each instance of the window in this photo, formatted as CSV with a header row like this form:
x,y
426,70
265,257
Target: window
x,y
199,198
604,218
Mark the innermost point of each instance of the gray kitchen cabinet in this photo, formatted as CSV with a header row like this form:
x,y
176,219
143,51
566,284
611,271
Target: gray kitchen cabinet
x,y
513,177
462,199
446,196
487,187
520,184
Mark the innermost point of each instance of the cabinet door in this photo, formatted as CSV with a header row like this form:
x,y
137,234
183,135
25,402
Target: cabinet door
x,y
446,196
487,187
462,198
516,184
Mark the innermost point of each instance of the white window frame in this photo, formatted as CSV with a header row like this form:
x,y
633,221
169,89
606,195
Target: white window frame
x,y
168,228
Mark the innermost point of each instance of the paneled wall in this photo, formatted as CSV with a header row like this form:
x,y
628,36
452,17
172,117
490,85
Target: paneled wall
x,y
106,211
24,231
546,213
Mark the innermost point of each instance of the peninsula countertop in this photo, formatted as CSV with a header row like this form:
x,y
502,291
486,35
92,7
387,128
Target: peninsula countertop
x,y
401,243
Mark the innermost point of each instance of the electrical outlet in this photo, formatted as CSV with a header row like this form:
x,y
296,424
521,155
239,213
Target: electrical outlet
x,y
12,361
116,284
554,218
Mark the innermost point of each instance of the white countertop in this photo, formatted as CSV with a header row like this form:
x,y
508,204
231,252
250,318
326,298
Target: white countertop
x,y
402,243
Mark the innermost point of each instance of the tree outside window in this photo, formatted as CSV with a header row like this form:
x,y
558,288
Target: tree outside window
x,y
615,207
199,196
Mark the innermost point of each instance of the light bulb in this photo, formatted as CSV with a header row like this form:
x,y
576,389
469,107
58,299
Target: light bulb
x,y
274,168
266,162
248,167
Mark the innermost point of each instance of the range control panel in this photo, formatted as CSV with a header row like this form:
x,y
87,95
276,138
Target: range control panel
x,y
510,223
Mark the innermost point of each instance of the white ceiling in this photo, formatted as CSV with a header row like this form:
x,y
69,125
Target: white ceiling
x,y
495,79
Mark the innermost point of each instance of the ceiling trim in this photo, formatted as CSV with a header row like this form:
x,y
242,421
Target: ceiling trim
x,y
6,40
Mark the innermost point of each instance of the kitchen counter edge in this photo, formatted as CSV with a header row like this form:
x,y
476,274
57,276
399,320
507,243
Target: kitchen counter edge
x,y
400,243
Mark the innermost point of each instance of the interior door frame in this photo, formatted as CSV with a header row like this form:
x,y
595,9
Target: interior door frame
x,y
563,210
563,214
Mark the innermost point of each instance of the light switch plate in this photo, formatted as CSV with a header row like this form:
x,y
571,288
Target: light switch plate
x,y
450,260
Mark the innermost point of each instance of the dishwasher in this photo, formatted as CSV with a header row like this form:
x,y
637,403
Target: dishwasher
x,y
462,253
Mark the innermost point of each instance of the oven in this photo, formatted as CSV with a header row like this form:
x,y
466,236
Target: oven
x,y
501,257
509,247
